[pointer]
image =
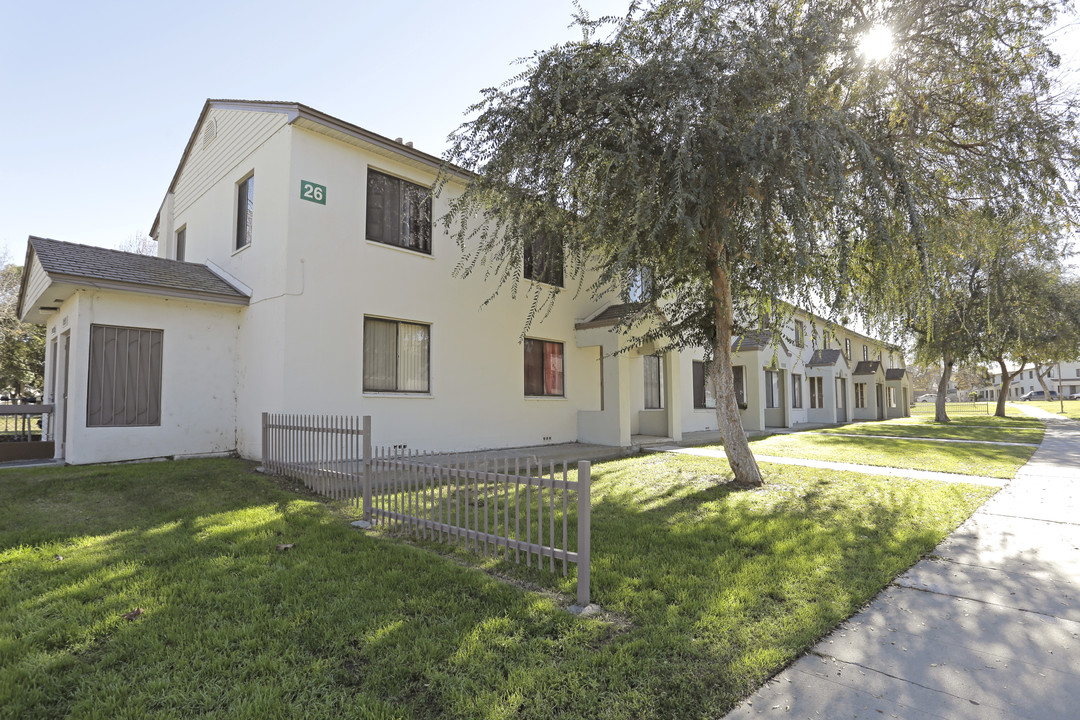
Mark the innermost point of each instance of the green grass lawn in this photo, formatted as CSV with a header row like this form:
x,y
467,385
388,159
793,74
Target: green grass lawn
x,y
707,592
1072,407
992,429
987,460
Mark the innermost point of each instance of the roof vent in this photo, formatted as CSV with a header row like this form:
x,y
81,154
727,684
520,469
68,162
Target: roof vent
x,y
209,133
399,141
408,144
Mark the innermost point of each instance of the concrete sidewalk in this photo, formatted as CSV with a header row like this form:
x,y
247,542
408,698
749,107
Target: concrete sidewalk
x,y
989,627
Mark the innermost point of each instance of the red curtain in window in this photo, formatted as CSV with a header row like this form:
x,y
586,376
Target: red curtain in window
x,y
553,369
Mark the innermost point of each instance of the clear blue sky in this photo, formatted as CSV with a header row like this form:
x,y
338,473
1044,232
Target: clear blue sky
x,y
99,98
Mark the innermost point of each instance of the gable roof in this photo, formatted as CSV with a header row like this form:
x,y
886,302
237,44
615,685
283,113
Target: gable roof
x,y
754,340
74,265
895,374
824,357
611,315
867,367
307,117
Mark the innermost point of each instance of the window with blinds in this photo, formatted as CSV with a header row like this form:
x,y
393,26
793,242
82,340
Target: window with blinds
x,y
654,383
398,212
124,386
397,356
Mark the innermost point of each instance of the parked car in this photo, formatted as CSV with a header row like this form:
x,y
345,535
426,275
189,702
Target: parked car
x,y
929,397
1038,395
1074,396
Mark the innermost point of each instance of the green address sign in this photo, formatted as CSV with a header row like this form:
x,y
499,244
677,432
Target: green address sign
x,y
312,192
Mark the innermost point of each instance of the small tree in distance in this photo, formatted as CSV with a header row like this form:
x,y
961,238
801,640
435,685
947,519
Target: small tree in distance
x,y
738,153
140,244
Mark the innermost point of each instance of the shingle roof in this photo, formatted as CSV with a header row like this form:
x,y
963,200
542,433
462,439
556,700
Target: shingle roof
x,y
64,261
824,357
867,367
895,374
753,340
611,315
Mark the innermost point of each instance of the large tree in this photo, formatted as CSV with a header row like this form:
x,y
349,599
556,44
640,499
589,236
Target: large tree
x,y
22,345
739,151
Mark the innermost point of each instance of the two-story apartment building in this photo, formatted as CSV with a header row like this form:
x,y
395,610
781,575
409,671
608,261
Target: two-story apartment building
x,y
1026,381
301,270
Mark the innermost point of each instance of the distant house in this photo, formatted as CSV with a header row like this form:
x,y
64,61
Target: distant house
x,y
300,271
1026,381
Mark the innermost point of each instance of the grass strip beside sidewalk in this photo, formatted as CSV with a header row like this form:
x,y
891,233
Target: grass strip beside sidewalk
x,y
709,592
998,430
996,461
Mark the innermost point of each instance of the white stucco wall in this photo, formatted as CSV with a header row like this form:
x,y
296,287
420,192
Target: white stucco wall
x,y
303,331
198,371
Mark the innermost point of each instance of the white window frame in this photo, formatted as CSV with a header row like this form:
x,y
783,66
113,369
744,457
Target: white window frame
x,y
368,355
248,216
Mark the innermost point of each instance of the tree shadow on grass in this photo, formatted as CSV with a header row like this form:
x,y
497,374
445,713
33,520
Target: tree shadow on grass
x,y
722,588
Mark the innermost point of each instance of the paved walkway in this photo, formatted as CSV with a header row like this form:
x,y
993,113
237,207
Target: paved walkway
x,y
989,627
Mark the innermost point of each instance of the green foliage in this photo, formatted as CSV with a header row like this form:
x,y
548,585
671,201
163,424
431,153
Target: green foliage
x,y
693,133
22,345
707,593
739,152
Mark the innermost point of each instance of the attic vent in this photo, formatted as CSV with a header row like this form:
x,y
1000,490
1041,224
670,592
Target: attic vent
x,y
209,133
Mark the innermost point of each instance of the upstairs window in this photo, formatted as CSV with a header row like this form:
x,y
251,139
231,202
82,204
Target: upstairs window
x,y
543,261
245,211
847,348
543,368
800,334
398,212
181,242
865,352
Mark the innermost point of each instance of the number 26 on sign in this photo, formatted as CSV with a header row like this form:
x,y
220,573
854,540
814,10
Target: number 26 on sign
x,y
312,192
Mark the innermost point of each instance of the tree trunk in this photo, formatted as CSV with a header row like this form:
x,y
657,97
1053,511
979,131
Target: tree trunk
x,y
1006,381
736,446
943,389
1041,376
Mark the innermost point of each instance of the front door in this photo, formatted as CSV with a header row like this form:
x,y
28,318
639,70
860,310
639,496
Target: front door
x,y
841,400
62,396
880,403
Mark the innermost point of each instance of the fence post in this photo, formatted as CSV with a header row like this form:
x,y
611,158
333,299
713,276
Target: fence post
x,y
265,435
584,526
367,468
